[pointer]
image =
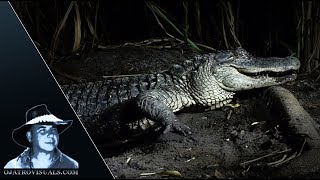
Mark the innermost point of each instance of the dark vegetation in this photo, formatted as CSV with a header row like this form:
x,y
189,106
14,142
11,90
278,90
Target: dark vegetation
x,y
265,28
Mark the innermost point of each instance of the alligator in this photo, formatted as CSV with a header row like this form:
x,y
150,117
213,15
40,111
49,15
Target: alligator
x,y
208,80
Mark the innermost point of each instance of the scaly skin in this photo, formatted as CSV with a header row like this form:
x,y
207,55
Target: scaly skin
x,y
208,80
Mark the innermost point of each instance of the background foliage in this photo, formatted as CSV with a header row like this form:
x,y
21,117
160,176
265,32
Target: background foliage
x,y
265,28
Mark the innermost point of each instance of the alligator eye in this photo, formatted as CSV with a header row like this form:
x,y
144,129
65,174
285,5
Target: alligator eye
x,y
224,56
242,53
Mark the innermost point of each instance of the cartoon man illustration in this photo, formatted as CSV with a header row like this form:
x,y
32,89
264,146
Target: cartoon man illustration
x,y
40,136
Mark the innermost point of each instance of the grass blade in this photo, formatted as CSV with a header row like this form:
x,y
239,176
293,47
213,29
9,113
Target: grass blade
x,y
77,29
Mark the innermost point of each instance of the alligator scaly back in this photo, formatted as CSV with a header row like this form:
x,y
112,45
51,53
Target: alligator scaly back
x,y
93,98
208,80
107,107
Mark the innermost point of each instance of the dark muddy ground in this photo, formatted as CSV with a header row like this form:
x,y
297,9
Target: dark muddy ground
x,y
222,139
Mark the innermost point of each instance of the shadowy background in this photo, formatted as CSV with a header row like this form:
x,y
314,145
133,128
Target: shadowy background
x,y
265,28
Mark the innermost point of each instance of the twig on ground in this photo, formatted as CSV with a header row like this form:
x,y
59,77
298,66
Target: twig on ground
x,y
294,155
265,156
304,142
229,114
278,161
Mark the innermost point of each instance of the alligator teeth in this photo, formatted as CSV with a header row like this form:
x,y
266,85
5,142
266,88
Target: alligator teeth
x,y
270,73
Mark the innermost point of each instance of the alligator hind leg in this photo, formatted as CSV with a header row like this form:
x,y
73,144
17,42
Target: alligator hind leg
x,y
154,108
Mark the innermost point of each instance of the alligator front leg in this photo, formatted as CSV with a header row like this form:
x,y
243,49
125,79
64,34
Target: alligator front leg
x,y
154,107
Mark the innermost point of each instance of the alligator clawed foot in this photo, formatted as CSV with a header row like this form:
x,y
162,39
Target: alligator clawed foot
x,y
178,128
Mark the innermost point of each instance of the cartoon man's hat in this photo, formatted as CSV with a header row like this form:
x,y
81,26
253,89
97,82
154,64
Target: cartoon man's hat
x,y
38,115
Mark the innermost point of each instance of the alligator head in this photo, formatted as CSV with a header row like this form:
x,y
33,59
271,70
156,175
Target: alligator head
x,y
237,70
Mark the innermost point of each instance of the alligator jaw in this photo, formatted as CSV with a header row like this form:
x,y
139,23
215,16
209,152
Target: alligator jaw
x,y
279,76
247,72
239,81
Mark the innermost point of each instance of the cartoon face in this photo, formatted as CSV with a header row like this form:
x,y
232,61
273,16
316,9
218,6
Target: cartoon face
x,y
44,137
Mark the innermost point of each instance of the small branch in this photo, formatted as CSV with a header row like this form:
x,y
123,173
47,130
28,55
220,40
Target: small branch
x,y
294,155
265,156
277,162
304,142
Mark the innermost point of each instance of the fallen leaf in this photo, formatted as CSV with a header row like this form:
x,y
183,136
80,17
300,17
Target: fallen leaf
x,y
128,160
171,173
218,174
147,174
255,123
193,158
233,105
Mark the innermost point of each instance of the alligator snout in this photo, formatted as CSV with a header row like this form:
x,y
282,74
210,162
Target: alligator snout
x,y
294,62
